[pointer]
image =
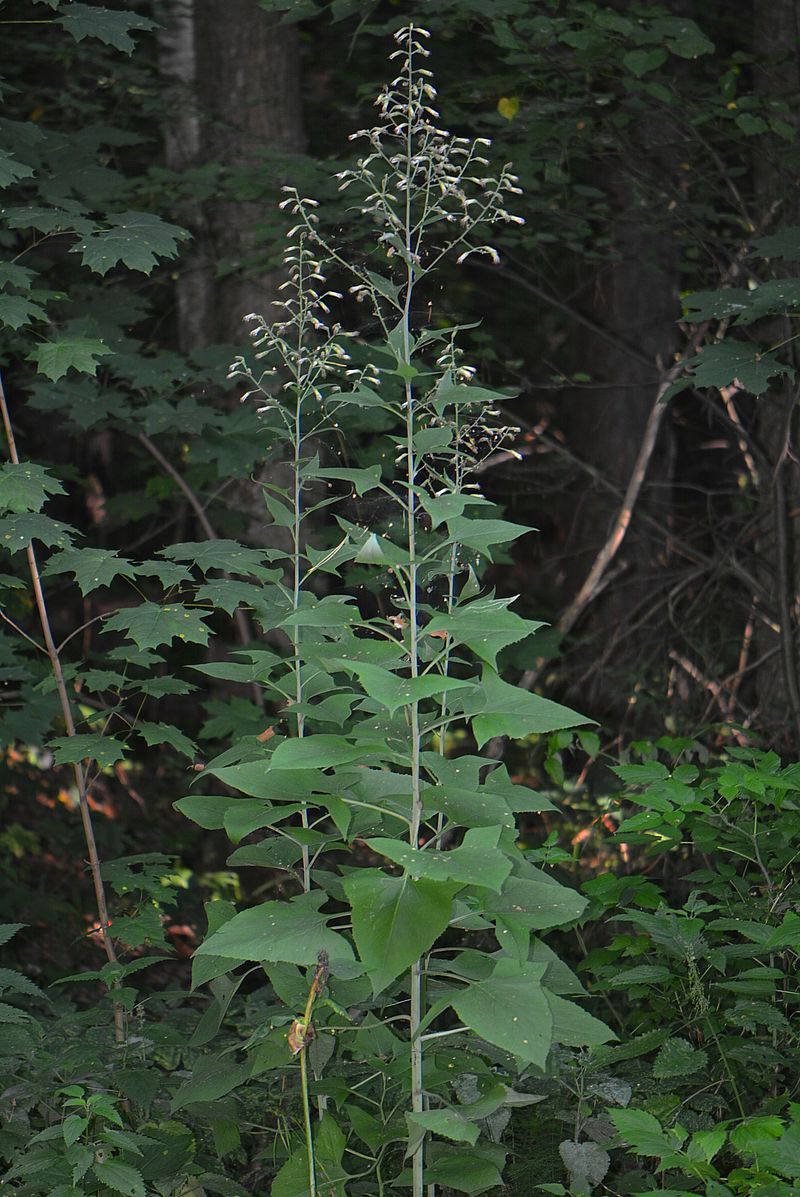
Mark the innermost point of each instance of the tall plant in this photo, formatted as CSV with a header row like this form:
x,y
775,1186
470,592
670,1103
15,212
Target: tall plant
x,y
398,844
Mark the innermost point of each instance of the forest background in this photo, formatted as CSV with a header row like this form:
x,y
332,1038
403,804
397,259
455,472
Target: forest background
x,y
636,327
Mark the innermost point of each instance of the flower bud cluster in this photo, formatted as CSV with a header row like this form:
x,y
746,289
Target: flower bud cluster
x,y
302,350
417,177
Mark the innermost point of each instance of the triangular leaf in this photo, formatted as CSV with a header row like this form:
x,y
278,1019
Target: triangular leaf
x,y
498,709
477,861
395,920
510,1010
293,932
484,625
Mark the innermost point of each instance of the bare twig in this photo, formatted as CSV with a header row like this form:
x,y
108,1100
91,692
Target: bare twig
x,y
592,584
180,482
7,619
727,395
553,301
69,722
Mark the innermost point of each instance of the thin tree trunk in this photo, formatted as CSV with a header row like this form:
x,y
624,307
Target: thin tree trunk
x,y
177,60
248,86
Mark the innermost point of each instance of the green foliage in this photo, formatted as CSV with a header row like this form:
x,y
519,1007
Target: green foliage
x,y
760,1154
402,684
367,709
369,644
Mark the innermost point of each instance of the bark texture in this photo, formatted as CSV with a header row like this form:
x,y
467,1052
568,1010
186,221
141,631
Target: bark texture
x,y
232,78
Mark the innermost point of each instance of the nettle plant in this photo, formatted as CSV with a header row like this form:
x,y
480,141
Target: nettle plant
x,y
402,950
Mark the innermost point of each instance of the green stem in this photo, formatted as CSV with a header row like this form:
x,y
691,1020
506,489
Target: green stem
x,y
417,1098
297,499
312,1172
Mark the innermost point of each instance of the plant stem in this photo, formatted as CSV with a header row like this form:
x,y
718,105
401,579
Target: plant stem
x,y
415,1012
306,1034
297,498
312,1174
69,723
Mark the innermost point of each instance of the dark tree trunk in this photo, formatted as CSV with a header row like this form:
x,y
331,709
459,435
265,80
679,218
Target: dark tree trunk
x,y
232,85
636,302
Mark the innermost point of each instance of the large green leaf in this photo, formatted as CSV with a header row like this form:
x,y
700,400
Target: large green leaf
x,y
207,810
314,752
450,391
535,902
782,1155
482,534
446,1121
574,1027
15,275
394,692
361,480
293,932
332,611
729,361
15,982
477,861
17,532
11,170
165,733
498,709
484,625
136,239
227,555
18,310
55,358
212,1077
509,1008
395,920
150,625
227,594
108,26
783,244
447,506
9,930
25,486
469,808
466,1169
644,1134
256,779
